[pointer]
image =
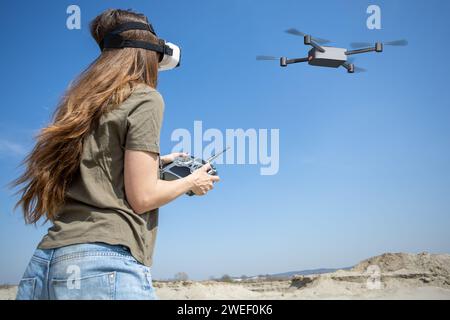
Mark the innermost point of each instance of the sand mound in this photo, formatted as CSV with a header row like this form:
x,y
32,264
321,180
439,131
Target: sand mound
x,y
389,272
433,264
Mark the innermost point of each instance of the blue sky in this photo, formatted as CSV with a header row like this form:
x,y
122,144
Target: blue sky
x,y
364,158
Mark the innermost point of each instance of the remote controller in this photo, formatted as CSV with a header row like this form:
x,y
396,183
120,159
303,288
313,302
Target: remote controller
x,y
183,166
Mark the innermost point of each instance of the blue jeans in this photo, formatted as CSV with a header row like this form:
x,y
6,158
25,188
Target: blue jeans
x,y
86,271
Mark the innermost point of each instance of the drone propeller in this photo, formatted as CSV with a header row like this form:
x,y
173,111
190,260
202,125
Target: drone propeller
x,y
359,69
296,32
267,58
356,69
398,43
356,45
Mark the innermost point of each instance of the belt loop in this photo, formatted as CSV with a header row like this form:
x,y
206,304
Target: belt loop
x,y
47,274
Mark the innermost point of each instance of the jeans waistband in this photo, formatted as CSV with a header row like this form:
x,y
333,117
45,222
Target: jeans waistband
x,y
51,254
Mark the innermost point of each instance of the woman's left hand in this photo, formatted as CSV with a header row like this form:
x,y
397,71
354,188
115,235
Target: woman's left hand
x,y
168,158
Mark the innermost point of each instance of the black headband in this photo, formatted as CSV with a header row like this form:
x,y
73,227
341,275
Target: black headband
x,y
113,39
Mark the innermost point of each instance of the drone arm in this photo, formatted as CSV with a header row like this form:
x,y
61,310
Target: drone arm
x,y
349,66
378,48
285,61
357,51
317,47
297,60
309,41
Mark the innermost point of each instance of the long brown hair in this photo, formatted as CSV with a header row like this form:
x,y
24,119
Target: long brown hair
x,y
106,83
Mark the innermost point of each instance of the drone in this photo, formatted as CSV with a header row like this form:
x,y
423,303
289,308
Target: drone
x,y
332,57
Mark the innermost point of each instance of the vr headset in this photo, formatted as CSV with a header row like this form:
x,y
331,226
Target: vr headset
x,y
170,54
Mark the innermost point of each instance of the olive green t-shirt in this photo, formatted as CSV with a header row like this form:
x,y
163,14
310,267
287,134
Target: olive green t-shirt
x,y
96,208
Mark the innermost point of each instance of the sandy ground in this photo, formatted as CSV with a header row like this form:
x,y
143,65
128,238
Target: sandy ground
x,y
237,292
8,293
389,276
326,290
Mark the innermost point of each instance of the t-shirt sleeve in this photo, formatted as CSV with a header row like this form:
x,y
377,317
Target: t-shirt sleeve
x,y
144,124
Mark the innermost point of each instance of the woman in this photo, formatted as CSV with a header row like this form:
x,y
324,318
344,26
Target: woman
x,y
94,174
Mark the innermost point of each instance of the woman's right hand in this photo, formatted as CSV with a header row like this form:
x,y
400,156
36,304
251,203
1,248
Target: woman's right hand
x,y
202,182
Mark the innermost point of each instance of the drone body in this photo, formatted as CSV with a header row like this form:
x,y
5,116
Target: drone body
x,y
332,57
328,56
